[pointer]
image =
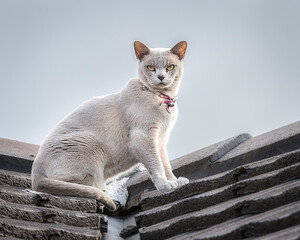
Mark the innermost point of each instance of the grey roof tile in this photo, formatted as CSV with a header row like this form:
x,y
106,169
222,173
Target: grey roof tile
x,y
31,230
206,199
253,203
26,214
16,179
250,226
182,166
242,187
238,191
156,198
48,215
291,233
22,196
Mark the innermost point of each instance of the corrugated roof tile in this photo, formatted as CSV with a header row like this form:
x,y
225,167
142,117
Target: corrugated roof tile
x,y
242,187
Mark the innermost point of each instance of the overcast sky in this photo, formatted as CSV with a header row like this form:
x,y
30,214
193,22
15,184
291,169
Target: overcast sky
x,y
242,66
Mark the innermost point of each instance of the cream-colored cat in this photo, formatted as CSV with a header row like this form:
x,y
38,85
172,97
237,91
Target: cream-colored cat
x,y
107,135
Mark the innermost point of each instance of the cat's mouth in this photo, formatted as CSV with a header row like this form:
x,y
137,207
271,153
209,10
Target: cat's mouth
x,y
162,83
161,86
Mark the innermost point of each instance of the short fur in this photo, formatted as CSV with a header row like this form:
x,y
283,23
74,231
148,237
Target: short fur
x,y
107,135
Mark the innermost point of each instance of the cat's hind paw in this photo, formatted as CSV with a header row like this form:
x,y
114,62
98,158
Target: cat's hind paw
x,y
182,181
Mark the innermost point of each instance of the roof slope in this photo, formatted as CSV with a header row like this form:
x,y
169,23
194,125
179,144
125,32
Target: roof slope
x,y
241,188
252,190
26,214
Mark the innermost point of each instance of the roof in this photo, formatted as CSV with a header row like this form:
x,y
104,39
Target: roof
x,y
242,187
27,214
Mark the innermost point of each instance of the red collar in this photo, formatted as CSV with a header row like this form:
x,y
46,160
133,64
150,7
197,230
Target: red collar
x,y
170,102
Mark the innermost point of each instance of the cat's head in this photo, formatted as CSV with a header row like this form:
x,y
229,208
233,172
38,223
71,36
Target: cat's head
x,y
160,68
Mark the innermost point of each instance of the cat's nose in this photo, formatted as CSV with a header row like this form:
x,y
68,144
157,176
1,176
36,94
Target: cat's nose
x,y
160,77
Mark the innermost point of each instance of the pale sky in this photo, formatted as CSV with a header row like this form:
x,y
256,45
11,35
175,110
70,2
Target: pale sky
x,y
242,66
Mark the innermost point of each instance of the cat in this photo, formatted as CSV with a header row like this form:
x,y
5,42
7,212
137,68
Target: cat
x,y
107,135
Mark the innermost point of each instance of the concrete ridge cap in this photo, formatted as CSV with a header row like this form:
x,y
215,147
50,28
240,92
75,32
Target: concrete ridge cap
x,y
263,140
14,148
228,146
216,150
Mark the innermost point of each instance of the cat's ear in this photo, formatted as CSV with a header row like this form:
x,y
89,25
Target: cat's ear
x,y
179,49
140,50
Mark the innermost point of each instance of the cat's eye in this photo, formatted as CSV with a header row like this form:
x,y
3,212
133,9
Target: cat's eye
x,y
150,68
171,67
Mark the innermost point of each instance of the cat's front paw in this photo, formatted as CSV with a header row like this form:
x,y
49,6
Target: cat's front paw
x,y
182,181
167,186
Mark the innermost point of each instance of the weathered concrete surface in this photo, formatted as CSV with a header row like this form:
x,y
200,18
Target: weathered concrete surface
x,y
48,215
227,146
21,207
223,156
9,238
291,233
16,195
17,156
208,165
253,226
182,166
276,142
219,195
24,230
188,166
254,203
15,179
21,196
155,198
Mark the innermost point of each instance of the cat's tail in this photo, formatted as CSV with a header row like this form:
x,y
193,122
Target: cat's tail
x,y
57,187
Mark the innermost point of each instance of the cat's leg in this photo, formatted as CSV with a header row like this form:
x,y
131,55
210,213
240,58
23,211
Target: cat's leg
x,y
166,164
168,170
77,160
81,173
100,180
145,148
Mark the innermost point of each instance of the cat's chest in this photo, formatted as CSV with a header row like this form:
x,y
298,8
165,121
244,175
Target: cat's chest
x,y
159,111
167,113
144,108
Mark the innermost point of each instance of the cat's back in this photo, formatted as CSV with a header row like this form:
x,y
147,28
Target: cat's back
x,y
95,124
91,111
96,116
